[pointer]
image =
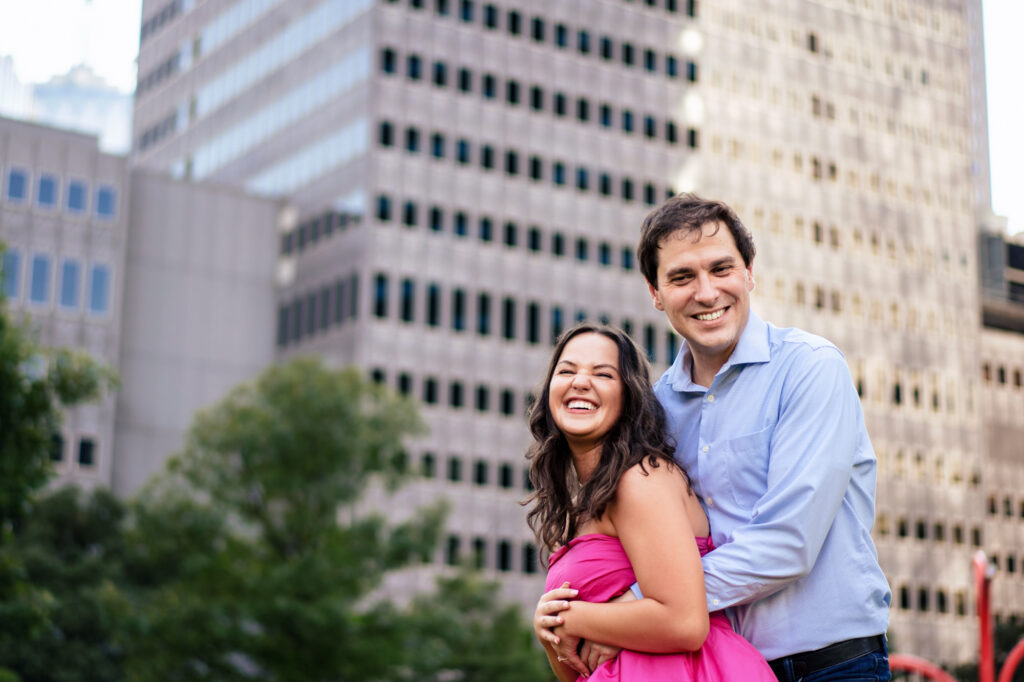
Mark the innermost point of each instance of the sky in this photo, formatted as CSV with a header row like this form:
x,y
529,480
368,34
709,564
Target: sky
x,y
105,35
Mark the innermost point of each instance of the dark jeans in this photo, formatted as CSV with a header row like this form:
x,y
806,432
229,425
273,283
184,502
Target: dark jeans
x,y
872,667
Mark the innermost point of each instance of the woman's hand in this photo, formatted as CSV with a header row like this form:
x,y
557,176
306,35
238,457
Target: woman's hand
x,y
561,650
546,617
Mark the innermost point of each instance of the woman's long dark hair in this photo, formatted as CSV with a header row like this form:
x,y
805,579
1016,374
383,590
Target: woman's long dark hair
x,y
560,504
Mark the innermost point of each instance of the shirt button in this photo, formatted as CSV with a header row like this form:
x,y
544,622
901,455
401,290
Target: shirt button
x,y
715,602
704,449
711,503
711,397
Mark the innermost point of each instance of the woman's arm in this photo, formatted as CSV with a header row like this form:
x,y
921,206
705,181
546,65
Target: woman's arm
x,y
649,515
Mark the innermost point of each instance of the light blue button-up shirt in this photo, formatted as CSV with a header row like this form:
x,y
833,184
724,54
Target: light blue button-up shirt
x,y
777,449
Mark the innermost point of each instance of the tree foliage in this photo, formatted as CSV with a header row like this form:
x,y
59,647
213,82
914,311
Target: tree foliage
x,y
252,558
35,384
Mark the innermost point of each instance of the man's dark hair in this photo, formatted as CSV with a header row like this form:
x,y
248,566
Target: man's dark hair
x,y
688,213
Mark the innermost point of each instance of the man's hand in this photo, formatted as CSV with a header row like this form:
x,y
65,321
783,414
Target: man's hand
x,y
547,626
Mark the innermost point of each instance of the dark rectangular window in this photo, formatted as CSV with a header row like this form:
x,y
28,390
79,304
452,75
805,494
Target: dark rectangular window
x,y
561,35
607,48
536,168
325,308
606,116
582,249
404,383
508,318
452,550
490,86
650,60
628,54
441,7
455,398
557,323
605,184
533,239
440,74
627,120
649,341
511,162
340,299
558,173
57,448
508,403
483,314
414,67
461,227
692,138
560,104
490,16
380,295
511,234
515,23
465,80
650,126
537,29
604,253
512,92
627,189
459,310
671,66
466,10
504,556
454,469
536,98
17,185
671,133
386,134
462,151
582,109
691,72
412,140
583,42
486,229
557,244
530,563
650,194
408,301
383,208
410,214
436,219
533,323
86,452
311,313
353,297
483,398
433,305
487,157
582,179
480,472
506,475
430,391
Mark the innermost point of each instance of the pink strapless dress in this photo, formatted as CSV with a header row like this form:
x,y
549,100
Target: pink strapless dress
x,y
598,567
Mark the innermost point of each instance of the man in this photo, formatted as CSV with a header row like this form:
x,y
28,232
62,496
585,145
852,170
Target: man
x,y
769,426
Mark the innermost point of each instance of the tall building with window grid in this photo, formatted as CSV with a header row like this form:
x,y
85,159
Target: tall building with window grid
x,y
468,180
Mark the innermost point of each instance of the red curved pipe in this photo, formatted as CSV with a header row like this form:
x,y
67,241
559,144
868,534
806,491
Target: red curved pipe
x,y
1012,661
914,664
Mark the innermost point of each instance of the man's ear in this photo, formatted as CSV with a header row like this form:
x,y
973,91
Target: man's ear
x,y
655,297
748,275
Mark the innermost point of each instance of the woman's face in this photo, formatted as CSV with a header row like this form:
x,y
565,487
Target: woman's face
x,y
585,393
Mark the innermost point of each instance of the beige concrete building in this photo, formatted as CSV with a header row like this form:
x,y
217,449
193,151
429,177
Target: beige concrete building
x,y
469,178
63,219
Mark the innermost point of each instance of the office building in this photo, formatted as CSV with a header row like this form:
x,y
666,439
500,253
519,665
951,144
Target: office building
x,y
469,178
63,222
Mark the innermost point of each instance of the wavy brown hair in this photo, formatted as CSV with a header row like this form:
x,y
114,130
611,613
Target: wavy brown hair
x,y
559,503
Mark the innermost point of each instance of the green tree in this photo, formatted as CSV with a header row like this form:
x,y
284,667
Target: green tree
x,y
35,384
260,562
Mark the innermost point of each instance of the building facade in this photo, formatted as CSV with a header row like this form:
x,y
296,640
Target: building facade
x,y
469,177
63,220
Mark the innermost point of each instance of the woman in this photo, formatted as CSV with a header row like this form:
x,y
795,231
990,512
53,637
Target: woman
x,y
614,508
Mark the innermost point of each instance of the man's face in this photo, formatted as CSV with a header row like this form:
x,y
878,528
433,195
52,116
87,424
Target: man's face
x,y
704,289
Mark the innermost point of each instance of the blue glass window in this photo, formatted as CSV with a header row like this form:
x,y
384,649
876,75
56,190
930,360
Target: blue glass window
x,y
106,202
70,272
76,196
99,289
46,194
11,274
17,184
39,291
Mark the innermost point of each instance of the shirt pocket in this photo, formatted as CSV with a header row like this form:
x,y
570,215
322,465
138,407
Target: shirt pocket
x,y
746,458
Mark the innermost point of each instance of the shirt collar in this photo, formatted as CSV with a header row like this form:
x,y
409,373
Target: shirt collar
x,y
752,348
